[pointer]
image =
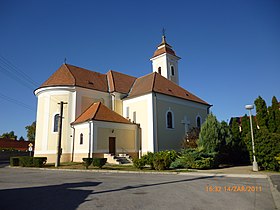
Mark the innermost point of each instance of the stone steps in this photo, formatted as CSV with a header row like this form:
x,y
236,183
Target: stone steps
x,y
118,160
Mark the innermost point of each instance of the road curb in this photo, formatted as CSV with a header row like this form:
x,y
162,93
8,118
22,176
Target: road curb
x,y
256,176
275,193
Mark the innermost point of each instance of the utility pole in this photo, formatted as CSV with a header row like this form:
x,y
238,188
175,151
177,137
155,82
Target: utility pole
x,y
58,153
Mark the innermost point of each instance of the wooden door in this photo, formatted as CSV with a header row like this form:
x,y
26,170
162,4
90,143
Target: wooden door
x,y
112,145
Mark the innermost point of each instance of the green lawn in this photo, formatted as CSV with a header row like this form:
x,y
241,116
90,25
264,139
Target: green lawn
x,y
80,166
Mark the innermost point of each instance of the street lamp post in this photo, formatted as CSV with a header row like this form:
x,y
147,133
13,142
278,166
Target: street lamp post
x,y
255,164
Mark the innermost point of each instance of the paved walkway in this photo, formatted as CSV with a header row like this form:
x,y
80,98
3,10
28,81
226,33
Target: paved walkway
x,y
238,170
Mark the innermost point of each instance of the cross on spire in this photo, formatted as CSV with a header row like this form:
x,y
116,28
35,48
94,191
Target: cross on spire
x,y
163,35
163,31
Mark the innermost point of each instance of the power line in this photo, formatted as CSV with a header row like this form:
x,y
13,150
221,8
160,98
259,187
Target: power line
x,y
16,78
19,103
19,76
15,68
16,74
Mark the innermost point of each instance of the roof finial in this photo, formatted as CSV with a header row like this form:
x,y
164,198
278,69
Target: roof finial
x,y
65,60
163,35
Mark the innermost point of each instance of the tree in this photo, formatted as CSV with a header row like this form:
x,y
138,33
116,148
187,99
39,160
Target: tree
x,y
10,135
31,130
238,149
225,134
267,147
274,116
190,139
209,137
245,126
261,110
266,137
21,138
235,131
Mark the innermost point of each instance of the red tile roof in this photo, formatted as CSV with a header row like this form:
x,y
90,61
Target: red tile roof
x,y
119,82
14,144
164,48
99,112
75,76
155,82
70,75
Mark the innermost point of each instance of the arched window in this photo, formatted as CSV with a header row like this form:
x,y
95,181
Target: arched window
x,y
172,71
198,121
81,138
159,70
169,119
55,123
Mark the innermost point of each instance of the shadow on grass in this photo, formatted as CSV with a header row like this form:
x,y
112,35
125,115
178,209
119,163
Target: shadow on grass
x,y
64,196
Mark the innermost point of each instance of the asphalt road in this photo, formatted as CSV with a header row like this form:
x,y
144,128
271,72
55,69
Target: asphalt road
x,y
44,189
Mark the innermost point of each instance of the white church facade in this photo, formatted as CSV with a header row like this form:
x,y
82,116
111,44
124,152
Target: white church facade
x,y
115,113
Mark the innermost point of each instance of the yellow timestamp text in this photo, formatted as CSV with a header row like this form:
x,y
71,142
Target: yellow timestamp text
x,y
233,188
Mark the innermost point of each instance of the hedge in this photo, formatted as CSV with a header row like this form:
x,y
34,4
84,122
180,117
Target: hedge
x,y
99,162
87,162
39,161
14,161
26,161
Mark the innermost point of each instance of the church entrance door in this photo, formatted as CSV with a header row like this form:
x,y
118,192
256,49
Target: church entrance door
x,y
112,145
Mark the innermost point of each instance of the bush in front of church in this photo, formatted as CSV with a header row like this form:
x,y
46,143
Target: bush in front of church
x,y
139,163
158,160
195,159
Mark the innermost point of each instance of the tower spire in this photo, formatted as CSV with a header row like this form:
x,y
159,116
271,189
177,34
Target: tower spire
x,y
163,36
165,60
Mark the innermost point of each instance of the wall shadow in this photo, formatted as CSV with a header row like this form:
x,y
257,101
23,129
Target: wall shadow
x,y
151,185
63,196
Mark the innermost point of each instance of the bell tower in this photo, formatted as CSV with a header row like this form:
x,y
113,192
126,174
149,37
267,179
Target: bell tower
x,y
165,61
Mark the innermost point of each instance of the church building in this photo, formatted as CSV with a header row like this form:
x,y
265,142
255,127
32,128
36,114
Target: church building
x,y
115,113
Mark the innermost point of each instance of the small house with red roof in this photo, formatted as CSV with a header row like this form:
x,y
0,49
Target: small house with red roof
x,y
115,113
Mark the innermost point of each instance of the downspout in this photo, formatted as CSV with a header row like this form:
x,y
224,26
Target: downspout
x,y
73,146
140,140
155,123
92,140
89,139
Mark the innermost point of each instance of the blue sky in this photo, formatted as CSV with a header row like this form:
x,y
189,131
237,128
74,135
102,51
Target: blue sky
x,y
230,49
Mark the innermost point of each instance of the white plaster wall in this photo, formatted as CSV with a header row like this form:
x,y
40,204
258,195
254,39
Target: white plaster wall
x,y
48,99
171,138
143,106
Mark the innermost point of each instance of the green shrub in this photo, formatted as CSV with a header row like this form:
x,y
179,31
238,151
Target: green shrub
x,y
163,159
39,161
204,163
266,148
14,161
160,163
148,159
194,158
139,163
277,158
87,162
26,161
99,162
178,163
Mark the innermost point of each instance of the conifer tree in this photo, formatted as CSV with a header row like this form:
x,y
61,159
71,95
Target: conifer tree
x,y
236,135
274,116
261,110
209,137
245,126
